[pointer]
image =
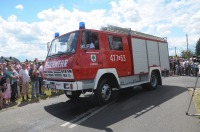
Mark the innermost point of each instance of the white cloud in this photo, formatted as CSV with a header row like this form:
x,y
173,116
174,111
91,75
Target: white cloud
x,y
164,29
12,18
20,7
28,40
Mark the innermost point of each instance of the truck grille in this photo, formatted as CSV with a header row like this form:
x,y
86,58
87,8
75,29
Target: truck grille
x,y
59,74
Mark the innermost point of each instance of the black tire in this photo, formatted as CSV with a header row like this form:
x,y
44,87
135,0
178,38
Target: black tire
x,y
103,92
75,95
153,82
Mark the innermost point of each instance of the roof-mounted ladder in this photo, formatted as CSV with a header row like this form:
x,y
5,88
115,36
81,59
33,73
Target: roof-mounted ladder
x,y
128,31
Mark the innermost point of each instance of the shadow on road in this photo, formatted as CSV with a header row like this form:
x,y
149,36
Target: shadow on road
x,y
71,108
128,104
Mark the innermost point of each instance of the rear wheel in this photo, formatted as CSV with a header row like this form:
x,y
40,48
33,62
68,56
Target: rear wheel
x,y
103,92
75,95
153,82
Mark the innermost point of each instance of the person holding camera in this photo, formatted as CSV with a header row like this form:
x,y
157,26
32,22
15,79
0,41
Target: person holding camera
x,y
34,73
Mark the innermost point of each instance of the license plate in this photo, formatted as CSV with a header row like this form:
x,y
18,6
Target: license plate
x,y
69,93
52,86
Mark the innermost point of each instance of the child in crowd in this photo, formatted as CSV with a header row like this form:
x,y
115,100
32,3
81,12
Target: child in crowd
x,y
2,81
7,91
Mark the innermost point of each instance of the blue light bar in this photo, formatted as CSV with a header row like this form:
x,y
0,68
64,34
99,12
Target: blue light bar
x,y
82,25
56,34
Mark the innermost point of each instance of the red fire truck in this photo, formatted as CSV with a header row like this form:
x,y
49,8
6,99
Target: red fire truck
x,y
99,61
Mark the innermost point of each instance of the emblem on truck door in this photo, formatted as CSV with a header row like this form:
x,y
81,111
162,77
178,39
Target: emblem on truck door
x,y
93,57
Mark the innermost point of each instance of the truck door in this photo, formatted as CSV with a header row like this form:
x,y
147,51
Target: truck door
x,y
90,54
118,54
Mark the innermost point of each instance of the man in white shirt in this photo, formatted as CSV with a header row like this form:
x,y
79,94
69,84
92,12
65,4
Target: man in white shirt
x,y
85,41
24,77
88,46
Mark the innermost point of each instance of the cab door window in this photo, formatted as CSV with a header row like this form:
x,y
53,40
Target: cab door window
x,y
115,42
89,40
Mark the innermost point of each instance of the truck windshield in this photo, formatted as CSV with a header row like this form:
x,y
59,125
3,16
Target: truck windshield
x,y
65,44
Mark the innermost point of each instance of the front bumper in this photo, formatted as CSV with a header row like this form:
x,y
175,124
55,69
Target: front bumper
x,y
69,86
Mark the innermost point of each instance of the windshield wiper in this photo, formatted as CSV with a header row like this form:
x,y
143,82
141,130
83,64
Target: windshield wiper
x,y
55,55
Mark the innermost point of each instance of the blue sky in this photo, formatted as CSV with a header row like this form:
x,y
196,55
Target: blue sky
x,y
27,25
32,7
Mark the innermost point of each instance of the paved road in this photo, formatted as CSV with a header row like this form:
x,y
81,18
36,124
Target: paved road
x,y
161,110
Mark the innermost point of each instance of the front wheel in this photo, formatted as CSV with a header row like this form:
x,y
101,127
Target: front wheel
x,y
103,92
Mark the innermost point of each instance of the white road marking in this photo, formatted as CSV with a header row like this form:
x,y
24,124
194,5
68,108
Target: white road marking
x,y
87,117
79,117
145,110
76,121
65,124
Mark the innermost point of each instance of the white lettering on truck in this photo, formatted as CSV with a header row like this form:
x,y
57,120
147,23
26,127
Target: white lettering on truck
x,y
117,57
57,64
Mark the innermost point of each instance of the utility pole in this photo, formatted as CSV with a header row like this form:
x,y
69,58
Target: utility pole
x,y
175,51
187,41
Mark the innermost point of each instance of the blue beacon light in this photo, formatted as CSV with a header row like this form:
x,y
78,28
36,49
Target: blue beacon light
x,y
56,34
82,25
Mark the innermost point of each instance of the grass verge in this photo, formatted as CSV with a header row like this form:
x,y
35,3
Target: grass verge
x,y
48,94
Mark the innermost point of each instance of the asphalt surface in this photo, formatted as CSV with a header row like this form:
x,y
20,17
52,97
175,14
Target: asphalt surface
x,y
160,110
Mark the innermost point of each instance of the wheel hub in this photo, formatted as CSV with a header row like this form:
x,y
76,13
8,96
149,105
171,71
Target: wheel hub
x,y
106,92
153,81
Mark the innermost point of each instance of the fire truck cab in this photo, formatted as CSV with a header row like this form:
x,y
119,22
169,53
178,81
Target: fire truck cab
x,y
98,61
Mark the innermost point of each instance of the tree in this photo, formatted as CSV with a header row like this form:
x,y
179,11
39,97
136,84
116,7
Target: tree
x,y
197,50
187,54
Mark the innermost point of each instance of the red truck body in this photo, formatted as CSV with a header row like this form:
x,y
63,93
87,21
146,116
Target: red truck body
x,y
121,59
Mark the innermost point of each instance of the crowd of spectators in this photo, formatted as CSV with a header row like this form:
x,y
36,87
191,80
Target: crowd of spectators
x,y
15,78
184,67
